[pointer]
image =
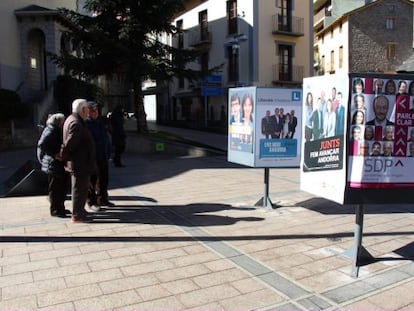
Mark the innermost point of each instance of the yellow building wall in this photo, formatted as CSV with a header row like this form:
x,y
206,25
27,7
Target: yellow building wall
x,y
266,45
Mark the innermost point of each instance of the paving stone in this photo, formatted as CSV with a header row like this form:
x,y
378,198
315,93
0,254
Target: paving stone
x,y
68,295
108,302
29,266
14,279
169,303
148,267
21,303
207,295
27,289
386,278
349,292
181,273
283,285
93,277
127,283
61,272
314,303
252,300
180,286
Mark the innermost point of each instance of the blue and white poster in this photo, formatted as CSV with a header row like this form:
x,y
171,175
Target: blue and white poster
x,y
278,127
264,126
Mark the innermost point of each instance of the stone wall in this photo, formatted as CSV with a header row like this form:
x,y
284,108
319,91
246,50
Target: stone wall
x,y
369,36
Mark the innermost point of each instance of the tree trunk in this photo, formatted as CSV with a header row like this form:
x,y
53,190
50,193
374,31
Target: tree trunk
x,y
140,115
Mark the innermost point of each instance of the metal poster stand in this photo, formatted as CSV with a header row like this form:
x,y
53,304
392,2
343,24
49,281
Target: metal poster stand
x,y
265,200
358,254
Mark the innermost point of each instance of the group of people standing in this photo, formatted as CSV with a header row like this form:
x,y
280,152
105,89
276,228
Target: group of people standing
x,y
279,125
80,147
325,117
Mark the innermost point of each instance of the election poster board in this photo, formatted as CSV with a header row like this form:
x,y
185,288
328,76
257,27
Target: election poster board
x,y
242,106
381,137
325,117
264,126
369,160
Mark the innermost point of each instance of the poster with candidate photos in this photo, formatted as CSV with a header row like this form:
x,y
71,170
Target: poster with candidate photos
x,y
324,119
241,129
382,121
278,127
264,126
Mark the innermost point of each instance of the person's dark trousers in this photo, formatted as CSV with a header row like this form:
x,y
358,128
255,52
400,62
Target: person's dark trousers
x,y
119,149
92,199
98,189
58,188
80,187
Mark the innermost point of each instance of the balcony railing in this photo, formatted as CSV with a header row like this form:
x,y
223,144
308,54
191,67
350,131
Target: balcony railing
x,y
324,12
294,74
293,25
197,37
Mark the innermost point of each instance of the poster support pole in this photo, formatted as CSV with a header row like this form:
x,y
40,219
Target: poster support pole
x,y
265,200
205,112
358,254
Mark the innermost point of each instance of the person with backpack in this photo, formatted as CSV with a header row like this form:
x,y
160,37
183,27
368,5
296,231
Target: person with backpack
x,y
48,154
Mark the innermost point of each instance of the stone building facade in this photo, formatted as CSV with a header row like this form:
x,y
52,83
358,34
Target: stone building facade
x,y
381,36
377,37
28,31
40,32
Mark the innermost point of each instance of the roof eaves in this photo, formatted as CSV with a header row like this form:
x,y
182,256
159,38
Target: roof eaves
x,y
35,10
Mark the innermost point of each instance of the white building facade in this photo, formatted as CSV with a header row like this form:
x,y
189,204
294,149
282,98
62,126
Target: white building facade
x,y
256,43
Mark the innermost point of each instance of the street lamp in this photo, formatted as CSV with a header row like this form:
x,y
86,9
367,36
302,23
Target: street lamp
x,y
235,45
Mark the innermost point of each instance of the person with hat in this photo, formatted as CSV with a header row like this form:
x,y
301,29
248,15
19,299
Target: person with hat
x,y
98,188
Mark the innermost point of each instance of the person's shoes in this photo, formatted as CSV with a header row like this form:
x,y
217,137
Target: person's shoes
x,y
107,204
94,208
90,203
76,219
60,215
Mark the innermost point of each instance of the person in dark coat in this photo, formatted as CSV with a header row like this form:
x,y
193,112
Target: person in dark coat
x,y
48,154
118,134
78,152
267,125
276,124
293,123
317,121
98,188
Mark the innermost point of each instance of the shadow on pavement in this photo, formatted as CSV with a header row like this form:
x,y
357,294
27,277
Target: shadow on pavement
x,y
328,207
406,251
130,198
192,215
